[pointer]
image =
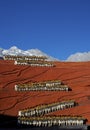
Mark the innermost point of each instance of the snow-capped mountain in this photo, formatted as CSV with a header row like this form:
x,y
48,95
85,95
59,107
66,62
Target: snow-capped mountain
x,y
85,56
16,51
77,57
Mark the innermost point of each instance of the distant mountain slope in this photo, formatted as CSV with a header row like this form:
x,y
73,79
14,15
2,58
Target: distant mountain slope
x,y
16,51
85,56
77,57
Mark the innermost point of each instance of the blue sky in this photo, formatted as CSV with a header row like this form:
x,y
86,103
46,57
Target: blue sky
x,y
56,27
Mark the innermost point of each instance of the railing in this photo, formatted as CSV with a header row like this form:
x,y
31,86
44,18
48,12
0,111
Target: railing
x,y
35,116
44,109
29,60
52,120
34,63
43,86
38,87
11,57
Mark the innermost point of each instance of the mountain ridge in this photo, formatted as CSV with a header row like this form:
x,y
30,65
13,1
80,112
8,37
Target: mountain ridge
x,y
16,51
76,57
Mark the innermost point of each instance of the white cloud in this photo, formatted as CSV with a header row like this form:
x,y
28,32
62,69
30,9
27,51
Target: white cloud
x,y
85,56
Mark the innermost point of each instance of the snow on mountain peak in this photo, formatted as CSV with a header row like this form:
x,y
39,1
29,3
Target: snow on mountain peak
x,y
16,51
85,56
